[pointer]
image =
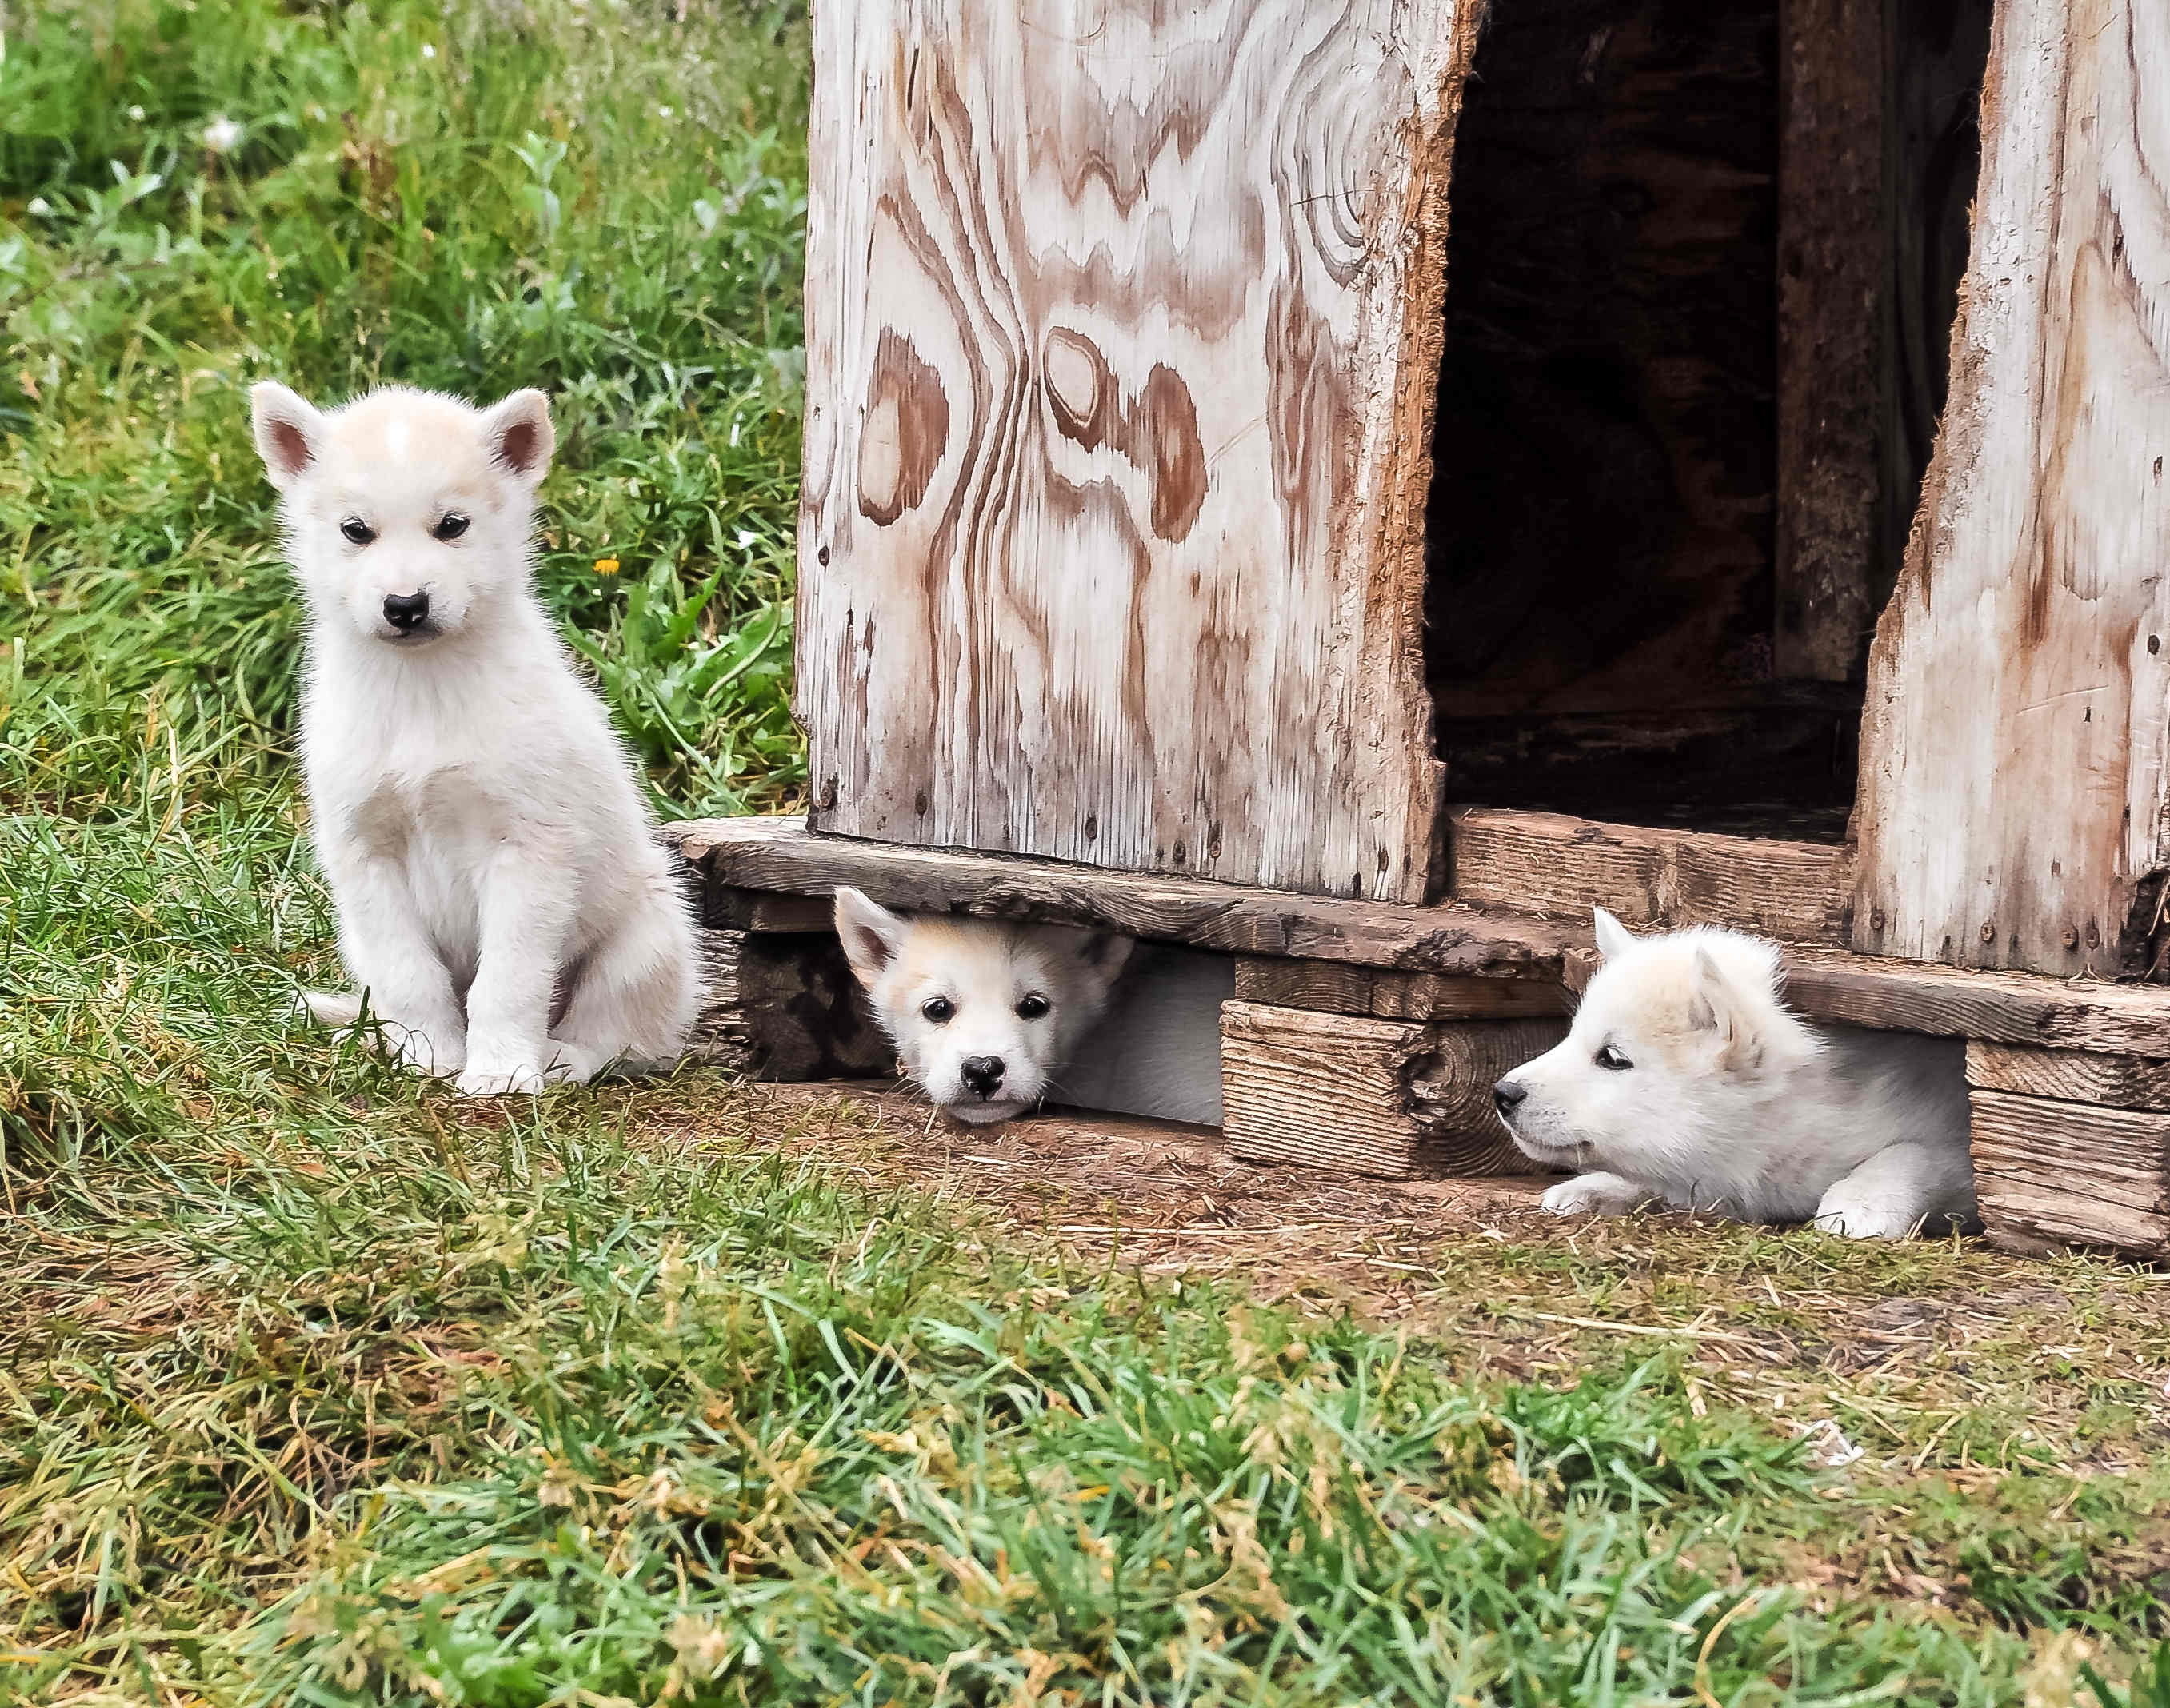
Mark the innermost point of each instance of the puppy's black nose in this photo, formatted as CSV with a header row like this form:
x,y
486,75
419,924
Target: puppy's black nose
x,y
1507,1097
404,611
982,1073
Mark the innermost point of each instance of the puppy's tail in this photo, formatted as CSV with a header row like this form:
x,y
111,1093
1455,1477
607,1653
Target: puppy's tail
x,y
329,1007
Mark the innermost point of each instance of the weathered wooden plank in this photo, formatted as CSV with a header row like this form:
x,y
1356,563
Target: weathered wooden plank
x,y
1388,1098
2015,777
1459,941
2000,1007
2045,1170
1342,987
1830,355
1553,864
780,855
2077,1076
1121,376
784,1008
767,911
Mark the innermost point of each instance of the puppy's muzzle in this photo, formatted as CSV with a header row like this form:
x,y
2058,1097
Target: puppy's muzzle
x,y
407,611
982,1075
1507,1097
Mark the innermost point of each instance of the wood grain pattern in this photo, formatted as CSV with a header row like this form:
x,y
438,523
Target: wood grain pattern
x,y
784,1008
767,911
1341,987
1390,1099
2015,777
1831,356
1121,374
2049,1171
1563,867
777,855
2076,1076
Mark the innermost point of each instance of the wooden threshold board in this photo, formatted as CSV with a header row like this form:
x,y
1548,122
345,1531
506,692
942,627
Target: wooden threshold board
x,y
1458,938
1561,866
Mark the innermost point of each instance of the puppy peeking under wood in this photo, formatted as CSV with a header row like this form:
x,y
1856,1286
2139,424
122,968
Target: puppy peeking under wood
x,y
1685,1079
991,1020
503,902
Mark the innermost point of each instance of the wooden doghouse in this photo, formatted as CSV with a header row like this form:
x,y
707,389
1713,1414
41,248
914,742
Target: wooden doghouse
x,y
1350,486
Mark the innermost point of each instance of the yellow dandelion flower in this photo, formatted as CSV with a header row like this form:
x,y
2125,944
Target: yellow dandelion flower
x,y
605,566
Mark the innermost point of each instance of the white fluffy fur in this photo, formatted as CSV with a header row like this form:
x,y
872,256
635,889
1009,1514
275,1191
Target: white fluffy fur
x,y
1732,1104
1150,1047
502,899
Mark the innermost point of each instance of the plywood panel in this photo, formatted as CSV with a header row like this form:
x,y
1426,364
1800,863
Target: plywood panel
x,y
2013,752
1122,330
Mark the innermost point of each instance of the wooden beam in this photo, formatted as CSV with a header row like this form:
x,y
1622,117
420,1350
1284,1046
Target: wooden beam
x,y
767,911
781,854
784,1008
1457,940
2047,1171
1552,864
1392,1099
1998,1007
1830,349
1340,987
2014,808
2076,1076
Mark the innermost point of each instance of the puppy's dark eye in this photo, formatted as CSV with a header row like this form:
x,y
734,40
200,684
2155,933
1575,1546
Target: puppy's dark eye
x,y
357,531
450,527
1610,1058
1031,1008
937,1009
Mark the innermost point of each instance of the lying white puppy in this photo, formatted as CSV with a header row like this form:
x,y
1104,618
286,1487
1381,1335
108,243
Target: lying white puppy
x,y
990,1020
1686,1079
502,899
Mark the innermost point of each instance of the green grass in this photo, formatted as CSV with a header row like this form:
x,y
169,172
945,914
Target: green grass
x,y
320,1385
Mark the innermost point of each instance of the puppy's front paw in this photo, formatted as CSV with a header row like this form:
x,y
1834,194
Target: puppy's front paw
x,y
425,1054
1865,1219
1593,1195
515,1079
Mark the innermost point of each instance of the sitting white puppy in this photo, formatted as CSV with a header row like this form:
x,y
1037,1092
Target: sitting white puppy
x,y
1686,1079
991,1019
502,899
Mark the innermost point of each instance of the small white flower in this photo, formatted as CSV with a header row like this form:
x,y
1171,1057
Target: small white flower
x,y
136,113
665,112
428,51
221,135
40,206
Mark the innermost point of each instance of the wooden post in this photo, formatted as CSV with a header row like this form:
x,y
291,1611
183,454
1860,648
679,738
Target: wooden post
x,y
1392,1099
2014,808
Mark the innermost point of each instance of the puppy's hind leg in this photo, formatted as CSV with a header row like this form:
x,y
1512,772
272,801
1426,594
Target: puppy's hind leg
x,y
634,998
1901,1190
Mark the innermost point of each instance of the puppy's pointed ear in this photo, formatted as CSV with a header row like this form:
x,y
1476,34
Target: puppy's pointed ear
x,y
519,436
1100,957
290,433
873,936
1613,938
1716,1005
